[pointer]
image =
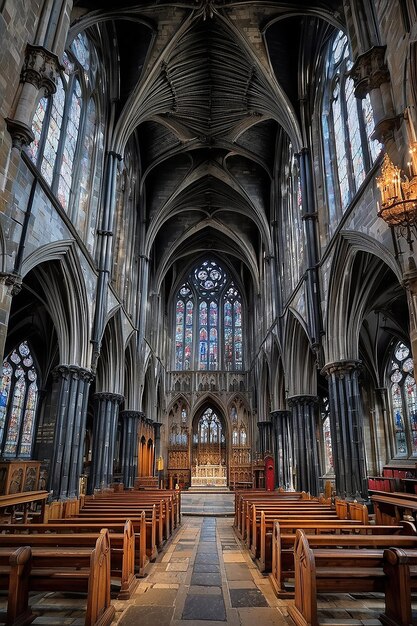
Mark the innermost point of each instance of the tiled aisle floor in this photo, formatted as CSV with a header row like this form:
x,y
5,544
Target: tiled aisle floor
x,y
204,578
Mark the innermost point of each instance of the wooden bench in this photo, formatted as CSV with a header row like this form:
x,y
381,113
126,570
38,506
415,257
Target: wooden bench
x,y
15,564
122,549
109,521
331,570
400,567
370,535
84,570
24,501
390,508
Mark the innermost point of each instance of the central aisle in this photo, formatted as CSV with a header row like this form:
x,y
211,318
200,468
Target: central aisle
x,y
203,578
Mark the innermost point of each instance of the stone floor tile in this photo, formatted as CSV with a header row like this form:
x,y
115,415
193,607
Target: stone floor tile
x,y
204,607
206,568
233,557
156,597
247,597
262,617
210,580
198,590
146,616
237,571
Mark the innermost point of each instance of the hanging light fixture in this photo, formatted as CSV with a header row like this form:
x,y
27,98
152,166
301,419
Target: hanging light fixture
x,y
398,191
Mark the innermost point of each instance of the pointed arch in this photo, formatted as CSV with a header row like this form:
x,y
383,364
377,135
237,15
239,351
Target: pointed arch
x,y
298,358
110,370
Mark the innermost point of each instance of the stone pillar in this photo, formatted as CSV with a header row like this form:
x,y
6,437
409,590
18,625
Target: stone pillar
x,y
106,411
282,447
72,386
265,439
37,79
346,427
10,285
130,446
371,76
304,418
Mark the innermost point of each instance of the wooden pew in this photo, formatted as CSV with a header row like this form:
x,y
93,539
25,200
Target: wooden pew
x,y
400,567
24,500
84,570
111,520
327,535
325,570
15,564
122,550
390,508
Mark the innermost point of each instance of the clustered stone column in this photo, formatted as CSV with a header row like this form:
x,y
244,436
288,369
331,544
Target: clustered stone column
x,y
346,427
304,425
281,447
130,420
106,410
72,385
265,439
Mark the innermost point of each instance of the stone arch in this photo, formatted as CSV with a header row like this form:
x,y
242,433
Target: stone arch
x,y
60,275
298,358
360,267
110,371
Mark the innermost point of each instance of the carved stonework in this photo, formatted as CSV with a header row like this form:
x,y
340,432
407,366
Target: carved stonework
x,y
40,68
72,371
108,396
341,368
12,281
370,71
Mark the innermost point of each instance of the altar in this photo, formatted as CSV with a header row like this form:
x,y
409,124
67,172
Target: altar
x,y
208,476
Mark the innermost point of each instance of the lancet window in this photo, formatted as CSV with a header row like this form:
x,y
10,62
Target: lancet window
x,y
347,126
403,401
18,401
65,128
208,320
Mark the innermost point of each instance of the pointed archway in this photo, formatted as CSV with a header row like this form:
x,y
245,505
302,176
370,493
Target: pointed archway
x,y
209,448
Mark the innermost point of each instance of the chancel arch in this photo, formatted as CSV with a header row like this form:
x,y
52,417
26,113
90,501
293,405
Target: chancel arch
x,y
209,449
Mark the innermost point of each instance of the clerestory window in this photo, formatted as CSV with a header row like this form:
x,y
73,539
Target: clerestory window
x,y
208,320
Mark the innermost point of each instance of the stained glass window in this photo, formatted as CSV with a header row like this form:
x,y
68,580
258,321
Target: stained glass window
x,y
347,126
216,325
403,401
54,131
57,126
18,401
37,127
70,144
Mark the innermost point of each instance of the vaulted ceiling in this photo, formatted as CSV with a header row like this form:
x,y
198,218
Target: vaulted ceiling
x,y
209,89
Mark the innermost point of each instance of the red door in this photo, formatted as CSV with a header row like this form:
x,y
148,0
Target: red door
x,y
269,473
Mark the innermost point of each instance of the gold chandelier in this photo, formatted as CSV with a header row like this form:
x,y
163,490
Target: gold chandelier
x,y
399,194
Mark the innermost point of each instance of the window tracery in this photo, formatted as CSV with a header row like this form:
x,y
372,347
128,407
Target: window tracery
x,y
65,127
403,401
208,307
347,127
18,401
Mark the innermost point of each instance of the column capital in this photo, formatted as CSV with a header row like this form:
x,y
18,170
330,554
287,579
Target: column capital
x,y
341,368
72,371
264,424
307,399
370,71
40,68
279,414
128,414
12,281
107,395
157,427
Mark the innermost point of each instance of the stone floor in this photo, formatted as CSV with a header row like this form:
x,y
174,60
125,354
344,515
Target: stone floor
x,y
205,577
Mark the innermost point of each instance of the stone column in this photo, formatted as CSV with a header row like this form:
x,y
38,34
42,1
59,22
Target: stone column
x,y
10,285
281,445
304,417
346,427
130,446
37,79
265,439
106,411
371,76
72,386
